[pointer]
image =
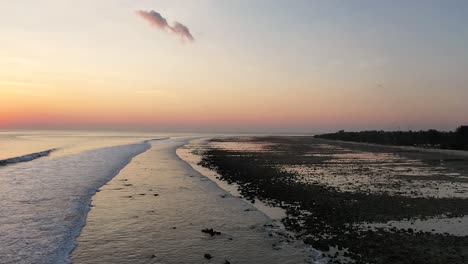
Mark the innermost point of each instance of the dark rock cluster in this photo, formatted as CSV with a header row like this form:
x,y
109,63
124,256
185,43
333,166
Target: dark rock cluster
x,y
325,217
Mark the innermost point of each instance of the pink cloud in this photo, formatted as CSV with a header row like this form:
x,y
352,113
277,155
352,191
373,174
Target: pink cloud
x,y
182,31
158,21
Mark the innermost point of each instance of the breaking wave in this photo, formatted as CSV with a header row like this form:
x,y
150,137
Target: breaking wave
x,y
44,203
27,157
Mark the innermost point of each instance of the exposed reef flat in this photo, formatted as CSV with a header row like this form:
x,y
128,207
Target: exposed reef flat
x,y
357,203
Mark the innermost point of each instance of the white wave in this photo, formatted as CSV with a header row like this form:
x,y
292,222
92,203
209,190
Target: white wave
x,y
44,203
28,157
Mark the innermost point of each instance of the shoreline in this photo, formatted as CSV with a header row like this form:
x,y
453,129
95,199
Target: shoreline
x,y
163,206
273,212
88,205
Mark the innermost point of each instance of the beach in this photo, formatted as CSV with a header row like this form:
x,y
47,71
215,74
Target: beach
x,y
131,203
155,209
232,199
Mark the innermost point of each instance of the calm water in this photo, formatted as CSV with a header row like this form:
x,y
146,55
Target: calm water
x,y
19,143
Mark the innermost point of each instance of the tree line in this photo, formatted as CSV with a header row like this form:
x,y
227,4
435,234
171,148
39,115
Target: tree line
x,y
457,139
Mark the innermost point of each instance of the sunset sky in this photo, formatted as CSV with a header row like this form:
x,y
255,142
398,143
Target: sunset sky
x,y
239,66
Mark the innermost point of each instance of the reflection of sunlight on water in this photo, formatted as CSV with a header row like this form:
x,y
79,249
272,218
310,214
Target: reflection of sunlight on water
x,y
15,144
242,146
378,173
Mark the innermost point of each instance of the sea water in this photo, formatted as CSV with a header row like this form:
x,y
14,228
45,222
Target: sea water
x,y
43,202
15,144
155,209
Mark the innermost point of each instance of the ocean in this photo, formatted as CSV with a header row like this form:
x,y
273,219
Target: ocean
x,y
88,197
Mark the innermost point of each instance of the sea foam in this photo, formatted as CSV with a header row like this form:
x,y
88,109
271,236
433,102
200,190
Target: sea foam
x,y
27,157
44,203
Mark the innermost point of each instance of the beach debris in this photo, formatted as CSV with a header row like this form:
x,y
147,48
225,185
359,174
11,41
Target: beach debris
x,y
210,231
227,261
153,256
208,256
156,194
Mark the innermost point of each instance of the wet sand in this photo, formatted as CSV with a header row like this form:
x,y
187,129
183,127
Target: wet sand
x,y
153,211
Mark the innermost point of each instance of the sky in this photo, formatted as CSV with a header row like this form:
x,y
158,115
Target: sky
x,y
233,66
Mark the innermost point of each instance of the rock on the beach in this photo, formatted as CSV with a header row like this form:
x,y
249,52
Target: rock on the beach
x,y
211,231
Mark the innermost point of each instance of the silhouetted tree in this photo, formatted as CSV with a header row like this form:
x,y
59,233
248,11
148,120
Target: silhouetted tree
x,y
462,131
431,138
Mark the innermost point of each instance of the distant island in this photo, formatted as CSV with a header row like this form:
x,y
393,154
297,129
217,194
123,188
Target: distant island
x,y
457,139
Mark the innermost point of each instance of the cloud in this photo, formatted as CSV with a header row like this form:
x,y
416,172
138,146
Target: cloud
x,y
158,21
182,31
